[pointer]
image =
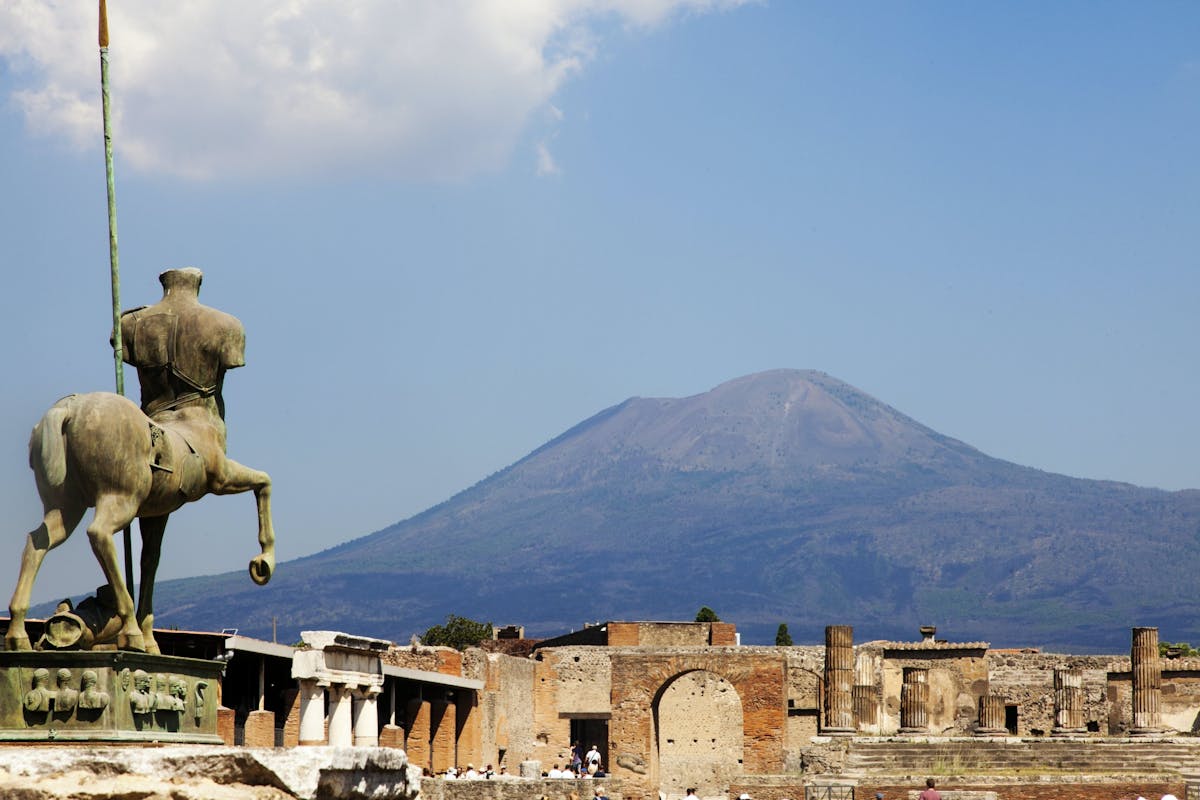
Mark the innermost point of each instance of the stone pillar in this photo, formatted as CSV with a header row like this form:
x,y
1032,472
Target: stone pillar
x,y
839,679
312,713
866,702
1147,682
442,721
991,716
470,728
225,725
914,700
291,722
366,718
416,741
1068,702
341,730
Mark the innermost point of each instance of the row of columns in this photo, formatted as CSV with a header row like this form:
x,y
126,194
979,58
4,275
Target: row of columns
x,y
849,697
353,714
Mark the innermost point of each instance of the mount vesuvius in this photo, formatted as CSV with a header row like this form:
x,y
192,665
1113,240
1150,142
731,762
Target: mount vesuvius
x,y
784,496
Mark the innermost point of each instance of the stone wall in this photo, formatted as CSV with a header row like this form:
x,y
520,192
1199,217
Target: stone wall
x,y
805,666
957,679
506,710
1026,680
518,789
1179,704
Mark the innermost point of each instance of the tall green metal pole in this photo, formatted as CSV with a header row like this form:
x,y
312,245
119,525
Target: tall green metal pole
x,y
113,260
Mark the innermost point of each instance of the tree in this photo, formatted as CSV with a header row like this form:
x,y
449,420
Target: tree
x,y
458,632
782,637
706,614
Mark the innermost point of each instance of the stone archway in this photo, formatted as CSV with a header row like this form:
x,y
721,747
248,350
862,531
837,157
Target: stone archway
x,y
698,732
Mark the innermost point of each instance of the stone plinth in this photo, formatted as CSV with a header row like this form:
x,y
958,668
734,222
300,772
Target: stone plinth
x,y
108,696
260,729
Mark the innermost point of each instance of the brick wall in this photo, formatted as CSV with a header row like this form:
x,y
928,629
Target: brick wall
x,y
637,678
722,634
622,634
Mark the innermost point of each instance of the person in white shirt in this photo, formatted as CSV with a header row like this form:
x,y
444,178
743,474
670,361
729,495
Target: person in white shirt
x,y
554,772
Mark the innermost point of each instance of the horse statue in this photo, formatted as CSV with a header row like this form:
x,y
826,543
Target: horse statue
x,y
100,450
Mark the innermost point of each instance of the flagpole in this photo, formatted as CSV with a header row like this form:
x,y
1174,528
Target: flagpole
x,y
113,260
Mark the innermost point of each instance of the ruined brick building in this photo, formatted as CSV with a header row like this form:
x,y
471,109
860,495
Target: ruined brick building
x,y
672,705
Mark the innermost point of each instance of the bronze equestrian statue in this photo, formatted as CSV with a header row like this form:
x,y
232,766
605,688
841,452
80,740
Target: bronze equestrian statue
x,y
101,451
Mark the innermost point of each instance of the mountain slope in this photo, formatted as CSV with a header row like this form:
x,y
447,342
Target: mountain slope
x,y
786,496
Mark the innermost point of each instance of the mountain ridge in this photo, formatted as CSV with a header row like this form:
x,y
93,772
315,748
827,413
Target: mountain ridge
x,y
783,496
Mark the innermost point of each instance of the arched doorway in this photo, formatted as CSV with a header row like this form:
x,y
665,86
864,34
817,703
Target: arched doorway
x,y
698,735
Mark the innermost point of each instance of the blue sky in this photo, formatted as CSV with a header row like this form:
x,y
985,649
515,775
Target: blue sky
x,y
453,230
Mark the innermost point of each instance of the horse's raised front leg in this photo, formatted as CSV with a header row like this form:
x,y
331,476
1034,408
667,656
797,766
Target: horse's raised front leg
x,y
234,478
152,529
57,524
114,512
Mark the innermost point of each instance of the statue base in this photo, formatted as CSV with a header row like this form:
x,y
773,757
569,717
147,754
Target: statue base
x,y
108,696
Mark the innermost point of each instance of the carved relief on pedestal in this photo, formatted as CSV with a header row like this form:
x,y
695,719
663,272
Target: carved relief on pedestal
x,y
91,698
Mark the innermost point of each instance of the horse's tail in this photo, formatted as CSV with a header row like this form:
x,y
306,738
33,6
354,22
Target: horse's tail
x,y
48,445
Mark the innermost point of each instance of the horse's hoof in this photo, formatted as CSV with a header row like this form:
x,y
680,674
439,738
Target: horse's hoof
x,y
17,643
261,568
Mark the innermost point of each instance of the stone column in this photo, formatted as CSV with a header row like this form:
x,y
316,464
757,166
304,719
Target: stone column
x,y
312,713
991,716
914,700
366,718
1068,702
839,679
1147,682
866,704
340,716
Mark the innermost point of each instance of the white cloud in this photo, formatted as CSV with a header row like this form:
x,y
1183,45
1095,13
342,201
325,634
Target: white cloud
x,y
545,161
430,89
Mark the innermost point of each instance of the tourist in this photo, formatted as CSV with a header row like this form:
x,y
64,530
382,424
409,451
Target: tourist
x,y
567,773
930,793
599,793
576,757
593,759
691,794
451,774
554,772
489,773
743,796
471,774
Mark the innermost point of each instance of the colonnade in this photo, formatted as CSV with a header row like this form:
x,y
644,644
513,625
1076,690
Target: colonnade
x,y
353,713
